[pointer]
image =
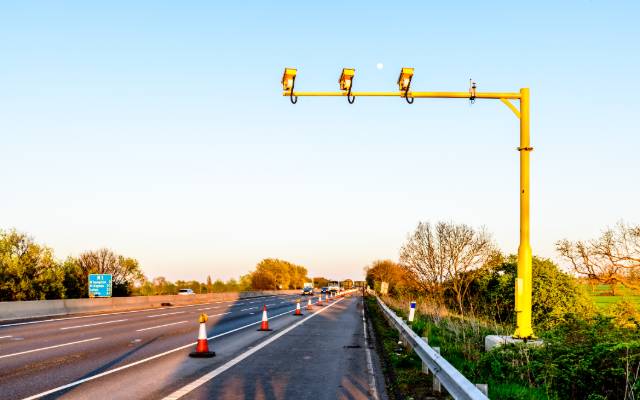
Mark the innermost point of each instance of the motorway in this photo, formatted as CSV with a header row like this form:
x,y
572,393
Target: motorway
x,y
143,354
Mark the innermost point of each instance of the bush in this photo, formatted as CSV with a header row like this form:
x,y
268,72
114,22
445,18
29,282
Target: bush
x,y
556,295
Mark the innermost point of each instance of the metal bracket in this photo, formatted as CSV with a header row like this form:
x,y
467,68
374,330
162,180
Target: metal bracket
x,y
511,107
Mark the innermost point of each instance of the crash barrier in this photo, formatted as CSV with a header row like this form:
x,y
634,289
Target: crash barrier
x,y
444,373
10,310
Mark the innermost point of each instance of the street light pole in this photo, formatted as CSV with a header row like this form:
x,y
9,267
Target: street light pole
x,y
523,284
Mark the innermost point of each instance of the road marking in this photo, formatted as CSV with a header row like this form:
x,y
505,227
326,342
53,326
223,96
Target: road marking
x,y
97,323
250,308
115,313
4,337
133,364
162,315
160,326
49,347
372,376
206,378
224,313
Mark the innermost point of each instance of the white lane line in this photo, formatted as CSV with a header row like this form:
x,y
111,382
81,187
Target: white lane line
x,y
111,371
250,308
224,313
80,317
97,323
111,313
49,347
372,376
206,378
4,337
162,315
160,326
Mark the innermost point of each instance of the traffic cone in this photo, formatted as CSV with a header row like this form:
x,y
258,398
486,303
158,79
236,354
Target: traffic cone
x,y
298,312
319,303
309,306
265,321
202,348
329,297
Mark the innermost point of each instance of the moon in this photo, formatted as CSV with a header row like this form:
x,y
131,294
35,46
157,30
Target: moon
x,y
379,65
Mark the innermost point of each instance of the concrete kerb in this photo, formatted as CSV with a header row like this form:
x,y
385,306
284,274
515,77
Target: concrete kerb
x,y
16,310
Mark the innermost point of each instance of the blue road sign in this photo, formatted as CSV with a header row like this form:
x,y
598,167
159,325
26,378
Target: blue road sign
x,y
99,285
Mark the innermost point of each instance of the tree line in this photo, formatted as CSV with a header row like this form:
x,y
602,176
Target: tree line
x,y
29,271
459,267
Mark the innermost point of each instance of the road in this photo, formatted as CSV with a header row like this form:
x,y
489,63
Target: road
x,y
144,354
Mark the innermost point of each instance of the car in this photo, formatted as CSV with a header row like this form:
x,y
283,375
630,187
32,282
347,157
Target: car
x,y
307,291
324,290
185,292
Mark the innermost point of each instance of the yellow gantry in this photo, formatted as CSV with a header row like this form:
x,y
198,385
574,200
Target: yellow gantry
x,y
523,284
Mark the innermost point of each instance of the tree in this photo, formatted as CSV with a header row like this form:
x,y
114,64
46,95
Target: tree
x,y
263,280
390,272
125,271
28,271
320,281
209,284
447,255
286,274
75,281
613,258
556,295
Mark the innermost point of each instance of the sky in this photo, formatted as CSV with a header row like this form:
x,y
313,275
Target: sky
x,y
158,129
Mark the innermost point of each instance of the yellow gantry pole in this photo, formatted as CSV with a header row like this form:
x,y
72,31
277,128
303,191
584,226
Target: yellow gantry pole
x,y
523,286
525,275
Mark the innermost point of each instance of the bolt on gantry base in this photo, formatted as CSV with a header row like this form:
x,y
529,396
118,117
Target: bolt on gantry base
x,y
523,283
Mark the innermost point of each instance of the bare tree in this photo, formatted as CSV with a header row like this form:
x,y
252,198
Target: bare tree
x,y
611,259
104,261
447,255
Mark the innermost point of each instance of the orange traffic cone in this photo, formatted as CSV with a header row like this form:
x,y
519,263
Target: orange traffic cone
x,y
265,321
298,312
202,348
328,297
319,303
309,306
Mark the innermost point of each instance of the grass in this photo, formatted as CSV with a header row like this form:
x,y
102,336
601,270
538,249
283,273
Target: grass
x,y
461,343
601,295
402,368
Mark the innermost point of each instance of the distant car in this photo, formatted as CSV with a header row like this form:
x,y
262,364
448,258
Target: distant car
x,y
308,291
324,290
185,292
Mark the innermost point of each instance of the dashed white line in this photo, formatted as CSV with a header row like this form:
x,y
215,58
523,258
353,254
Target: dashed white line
x,y
224,313
162,315
49,347
4,337
250,308
160,326
111,371
97,323
206,378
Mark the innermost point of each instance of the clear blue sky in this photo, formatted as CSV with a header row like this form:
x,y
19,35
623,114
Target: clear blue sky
x,y
157,128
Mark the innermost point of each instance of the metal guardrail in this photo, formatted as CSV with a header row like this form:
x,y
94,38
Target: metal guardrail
x,y
453,381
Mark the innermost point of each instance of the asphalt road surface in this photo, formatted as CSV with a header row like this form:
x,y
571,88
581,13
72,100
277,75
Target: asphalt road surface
x,y
144,354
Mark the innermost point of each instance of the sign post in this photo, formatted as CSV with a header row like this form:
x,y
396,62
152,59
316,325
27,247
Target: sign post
x,y
100,285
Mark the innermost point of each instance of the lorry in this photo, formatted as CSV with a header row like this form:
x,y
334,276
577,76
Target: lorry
x,y
334,287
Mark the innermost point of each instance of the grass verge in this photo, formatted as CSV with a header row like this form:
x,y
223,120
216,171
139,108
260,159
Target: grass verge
x,y
402,368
